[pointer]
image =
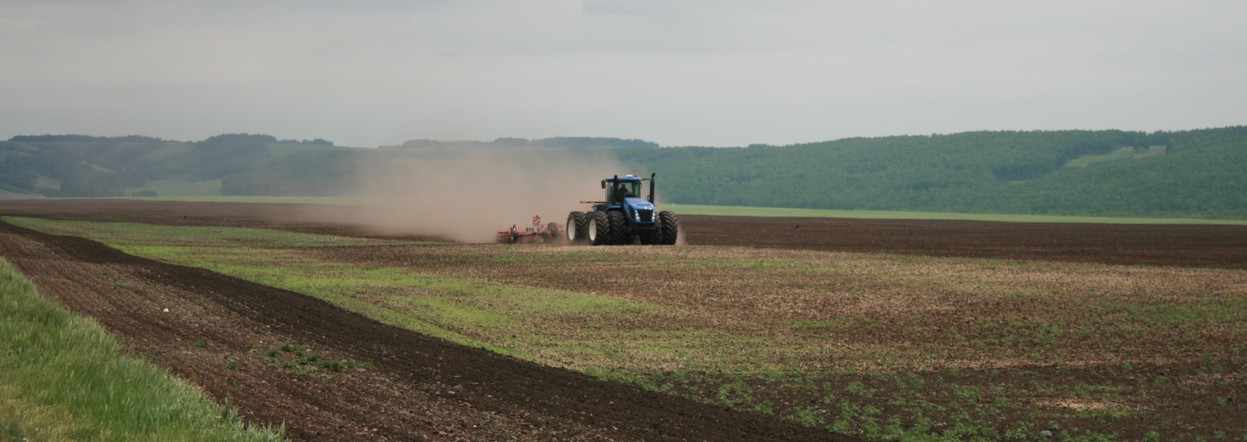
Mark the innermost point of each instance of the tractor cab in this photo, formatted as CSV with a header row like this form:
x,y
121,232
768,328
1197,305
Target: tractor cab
x,y
624,193
619,191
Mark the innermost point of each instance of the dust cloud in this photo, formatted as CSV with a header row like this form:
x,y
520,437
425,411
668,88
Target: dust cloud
x,y
468,195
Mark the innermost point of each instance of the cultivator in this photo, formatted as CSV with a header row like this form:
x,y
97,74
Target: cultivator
x,y
537,233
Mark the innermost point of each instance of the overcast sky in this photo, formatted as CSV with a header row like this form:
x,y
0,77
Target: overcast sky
x,y
692,72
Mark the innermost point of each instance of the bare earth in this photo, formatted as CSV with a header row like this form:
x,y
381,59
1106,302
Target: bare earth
x,y
427,389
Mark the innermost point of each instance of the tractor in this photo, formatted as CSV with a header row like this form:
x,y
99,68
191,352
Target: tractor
x,y
624,217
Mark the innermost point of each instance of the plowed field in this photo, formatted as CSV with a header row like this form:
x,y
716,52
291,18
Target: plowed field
x,y
1212,246
218,330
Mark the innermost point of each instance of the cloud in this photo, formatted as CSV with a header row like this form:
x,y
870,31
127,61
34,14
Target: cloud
x,y
691,72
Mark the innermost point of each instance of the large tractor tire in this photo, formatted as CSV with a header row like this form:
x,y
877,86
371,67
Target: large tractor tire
x,y
577,226
652,237
619,227
669,228
599,229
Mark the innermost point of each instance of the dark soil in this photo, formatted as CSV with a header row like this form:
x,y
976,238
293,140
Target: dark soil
x,y
1185,245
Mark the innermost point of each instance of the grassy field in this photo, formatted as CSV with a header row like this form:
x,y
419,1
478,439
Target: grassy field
x,y
182,188
886,346
64,378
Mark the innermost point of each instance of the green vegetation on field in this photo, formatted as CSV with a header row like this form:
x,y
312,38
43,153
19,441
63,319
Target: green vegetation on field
x,y
65,378
288,356
889,347
178,187
127,235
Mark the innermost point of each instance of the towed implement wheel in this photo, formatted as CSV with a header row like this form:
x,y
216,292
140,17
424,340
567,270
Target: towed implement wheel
x,y
599,229
669,228
553,233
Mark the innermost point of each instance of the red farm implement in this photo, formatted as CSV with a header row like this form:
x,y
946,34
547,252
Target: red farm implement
x,y
537,233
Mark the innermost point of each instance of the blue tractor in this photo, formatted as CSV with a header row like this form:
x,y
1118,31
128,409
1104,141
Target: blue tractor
x,y
624,217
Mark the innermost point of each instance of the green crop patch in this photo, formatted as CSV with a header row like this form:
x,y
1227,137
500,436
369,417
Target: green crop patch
x,y
179,187
831,324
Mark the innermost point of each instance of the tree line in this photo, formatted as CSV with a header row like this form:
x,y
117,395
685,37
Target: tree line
x,y
1197,173
1194,173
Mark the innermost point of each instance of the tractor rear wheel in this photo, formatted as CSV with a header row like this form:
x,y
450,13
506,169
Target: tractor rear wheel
x,y
577,226
599,229
619,227
669,226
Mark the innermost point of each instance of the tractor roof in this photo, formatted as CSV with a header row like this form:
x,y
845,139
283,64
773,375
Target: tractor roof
x,y
625,178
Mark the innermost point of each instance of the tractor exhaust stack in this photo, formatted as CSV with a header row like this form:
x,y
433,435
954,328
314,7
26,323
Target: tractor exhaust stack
x,y
651,186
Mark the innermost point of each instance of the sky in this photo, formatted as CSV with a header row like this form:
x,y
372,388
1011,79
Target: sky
x,y
678,73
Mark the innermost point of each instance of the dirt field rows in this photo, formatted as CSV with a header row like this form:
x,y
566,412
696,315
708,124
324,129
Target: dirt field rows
x,y
221,332
1214,246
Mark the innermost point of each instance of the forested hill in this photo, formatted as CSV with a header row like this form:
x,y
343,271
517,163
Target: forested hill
x,y
1196,174
87,166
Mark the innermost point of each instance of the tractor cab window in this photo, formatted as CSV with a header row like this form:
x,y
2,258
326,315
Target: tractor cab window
x,y
621,190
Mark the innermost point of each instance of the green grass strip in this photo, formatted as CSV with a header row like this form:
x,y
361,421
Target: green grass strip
x,y
63,377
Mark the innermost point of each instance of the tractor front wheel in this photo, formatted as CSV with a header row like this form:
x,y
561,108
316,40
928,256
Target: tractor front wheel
x,y
669,226
651,237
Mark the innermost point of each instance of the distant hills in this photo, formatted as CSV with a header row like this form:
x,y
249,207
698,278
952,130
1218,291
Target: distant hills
x,y
1196,173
